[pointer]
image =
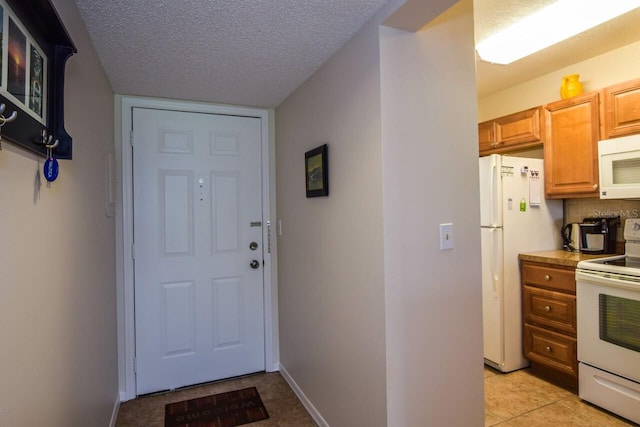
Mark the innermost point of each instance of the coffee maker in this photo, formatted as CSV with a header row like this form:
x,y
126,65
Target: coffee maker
x,y
598,235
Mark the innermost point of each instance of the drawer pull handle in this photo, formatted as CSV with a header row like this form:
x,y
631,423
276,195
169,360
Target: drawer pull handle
x,y
547,277
547,308
548,349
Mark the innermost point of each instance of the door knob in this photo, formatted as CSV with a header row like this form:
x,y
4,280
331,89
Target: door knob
x,y
254,264
253,246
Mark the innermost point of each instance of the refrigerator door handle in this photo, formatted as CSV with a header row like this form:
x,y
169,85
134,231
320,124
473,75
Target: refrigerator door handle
x,y
493,192
495,259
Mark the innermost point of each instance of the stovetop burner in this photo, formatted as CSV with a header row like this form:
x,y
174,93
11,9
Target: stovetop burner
x,y
623,262
627,264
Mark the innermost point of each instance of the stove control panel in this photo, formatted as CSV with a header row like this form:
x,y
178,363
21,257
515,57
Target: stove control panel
x,y
632,237
632,229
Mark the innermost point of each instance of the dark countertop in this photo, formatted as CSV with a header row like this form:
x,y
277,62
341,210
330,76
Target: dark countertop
x,y
559,257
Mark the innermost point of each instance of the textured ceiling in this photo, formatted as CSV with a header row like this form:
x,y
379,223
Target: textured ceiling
x,y
256,52
493,15
241,52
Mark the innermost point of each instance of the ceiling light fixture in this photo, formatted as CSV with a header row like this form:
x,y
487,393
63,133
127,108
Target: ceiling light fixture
x,y
548,26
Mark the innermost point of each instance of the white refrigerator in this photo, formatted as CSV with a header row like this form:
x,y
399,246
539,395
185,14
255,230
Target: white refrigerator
x,y
515,218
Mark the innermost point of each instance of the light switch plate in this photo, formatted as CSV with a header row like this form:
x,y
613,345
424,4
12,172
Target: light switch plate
x,y
446,236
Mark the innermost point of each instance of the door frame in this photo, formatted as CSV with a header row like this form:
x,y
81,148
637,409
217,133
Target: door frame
x,y
123,119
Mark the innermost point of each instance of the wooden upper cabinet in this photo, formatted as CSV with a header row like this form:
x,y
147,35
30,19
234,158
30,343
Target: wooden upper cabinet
x,y
485,136
514,132
571,147
621,109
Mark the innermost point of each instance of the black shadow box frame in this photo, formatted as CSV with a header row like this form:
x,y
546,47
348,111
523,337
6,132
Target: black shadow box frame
x,y
316,168
43,23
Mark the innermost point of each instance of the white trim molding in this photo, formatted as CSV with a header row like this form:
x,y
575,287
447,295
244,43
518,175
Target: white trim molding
x,y
114,413
124,227
315,414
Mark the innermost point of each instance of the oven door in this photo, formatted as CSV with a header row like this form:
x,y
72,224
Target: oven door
x,y
608,311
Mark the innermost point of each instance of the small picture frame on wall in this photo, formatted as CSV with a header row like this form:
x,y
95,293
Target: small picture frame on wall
x,y
316,167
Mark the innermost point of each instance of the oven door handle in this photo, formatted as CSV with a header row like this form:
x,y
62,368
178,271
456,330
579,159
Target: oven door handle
x,y
608,279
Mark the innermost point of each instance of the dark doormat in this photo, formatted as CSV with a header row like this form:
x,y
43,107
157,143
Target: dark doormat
x,y
233,408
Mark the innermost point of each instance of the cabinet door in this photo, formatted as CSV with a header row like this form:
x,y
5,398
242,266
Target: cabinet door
x,y
571,147
622,109
514,132
519,128
485,137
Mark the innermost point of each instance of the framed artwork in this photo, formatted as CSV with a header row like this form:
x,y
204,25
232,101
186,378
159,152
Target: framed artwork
x,y
34,49
316,168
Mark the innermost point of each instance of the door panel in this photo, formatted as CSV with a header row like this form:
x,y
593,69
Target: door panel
x,y
176,193
225,212
227,304
198,304
177,308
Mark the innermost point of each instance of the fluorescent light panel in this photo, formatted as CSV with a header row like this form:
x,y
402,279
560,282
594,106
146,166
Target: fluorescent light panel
x,y
548,26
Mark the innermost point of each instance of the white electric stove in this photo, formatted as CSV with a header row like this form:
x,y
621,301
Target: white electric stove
x,y
608,312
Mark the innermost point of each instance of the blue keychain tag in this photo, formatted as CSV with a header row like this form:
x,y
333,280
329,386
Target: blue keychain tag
x,y
51,169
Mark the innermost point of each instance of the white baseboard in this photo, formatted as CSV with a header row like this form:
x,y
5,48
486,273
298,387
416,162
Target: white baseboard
x,y
303,398
114,413
275,367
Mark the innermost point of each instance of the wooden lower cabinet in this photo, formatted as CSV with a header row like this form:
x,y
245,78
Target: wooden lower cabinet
x,y
556,310
549,322
552,350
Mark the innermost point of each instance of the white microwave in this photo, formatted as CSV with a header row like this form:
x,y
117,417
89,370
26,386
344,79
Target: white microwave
x,y
619,164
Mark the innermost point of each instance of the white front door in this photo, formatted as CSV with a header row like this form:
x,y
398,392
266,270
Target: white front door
x,y
199,313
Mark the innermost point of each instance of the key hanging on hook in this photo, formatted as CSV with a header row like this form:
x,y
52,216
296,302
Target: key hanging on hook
x,y
51,167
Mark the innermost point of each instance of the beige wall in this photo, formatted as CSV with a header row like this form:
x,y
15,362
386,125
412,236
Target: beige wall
x,y
430,177
330,262
333,336
57,291
604,70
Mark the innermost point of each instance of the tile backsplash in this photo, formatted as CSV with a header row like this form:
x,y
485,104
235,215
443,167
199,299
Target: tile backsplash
x,y
575,210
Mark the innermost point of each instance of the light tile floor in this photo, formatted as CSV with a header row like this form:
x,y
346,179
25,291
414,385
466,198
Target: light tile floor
x,y
521,399
511,400
284,408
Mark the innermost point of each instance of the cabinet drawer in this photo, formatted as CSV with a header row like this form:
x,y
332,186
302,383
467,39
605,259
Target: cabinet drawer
x,y
548,348
548,277
548,308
